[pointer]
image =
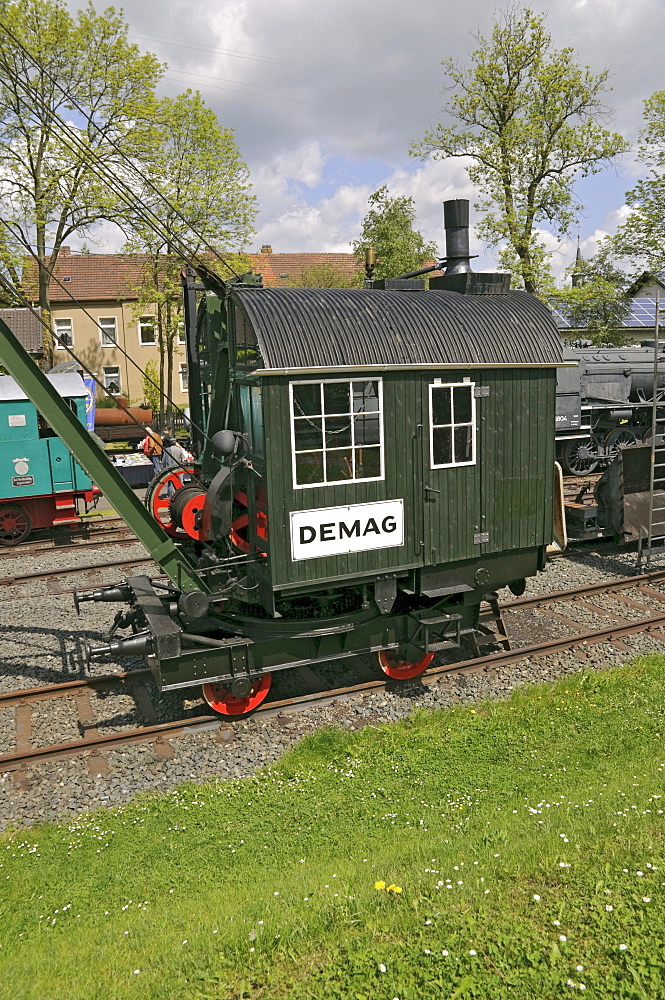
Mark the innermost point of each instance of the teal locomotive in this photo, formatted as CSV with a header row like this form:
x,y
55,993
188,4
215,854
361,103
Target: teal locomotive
x,y
41,485
373,463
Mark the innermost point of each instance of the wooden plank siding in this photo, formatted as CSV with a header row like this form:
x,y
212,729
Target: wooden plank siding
x,y
401,407
503,493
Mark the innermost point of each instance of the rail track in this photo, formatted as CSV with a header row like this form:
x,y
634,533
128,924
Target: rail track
x,y
68,538
88,574
645,598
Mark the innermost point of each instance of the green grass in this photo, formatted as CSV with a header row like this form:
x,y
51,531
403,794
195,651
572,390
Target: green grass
x,y
542,814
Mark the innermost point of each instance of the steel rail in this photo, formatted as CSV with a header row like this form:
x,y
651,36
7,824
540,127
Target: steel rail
x,y
604,587
17,581
286,706
105,536
48,691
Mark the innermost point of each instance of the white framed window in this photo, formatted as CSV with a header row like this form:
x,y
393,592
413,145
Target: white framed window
x,y
147,332
336,431
63,333
184,377
182,339
107,331
112,382
452,408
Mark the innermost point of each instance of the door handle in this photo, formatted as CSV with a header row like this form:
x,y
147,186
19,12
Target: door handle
x,y
428,490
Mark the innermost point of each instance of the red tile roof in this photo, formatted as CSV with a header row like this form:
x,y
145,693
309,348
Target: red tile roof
x,y
117,277
290,268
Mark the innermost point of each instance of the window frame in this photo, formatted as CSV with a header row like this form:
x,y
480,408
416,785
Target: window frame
x,y
119,379
467,383
381,443
139,326
63,319
103,319
182,334
181,365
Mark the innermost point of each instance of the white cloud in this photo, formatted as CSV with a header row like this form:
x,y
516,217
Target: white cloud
x,y
325,99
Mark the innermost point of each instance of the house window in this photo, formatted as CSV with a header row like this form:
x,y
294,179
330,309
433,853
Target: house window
x,y
147,333
107,331
63,333
182,339
184,378
452,410
112,379
336,431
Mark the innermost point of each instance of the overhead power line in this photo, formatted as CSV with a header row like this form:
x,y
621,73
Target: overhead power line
x,y
14,291
111,179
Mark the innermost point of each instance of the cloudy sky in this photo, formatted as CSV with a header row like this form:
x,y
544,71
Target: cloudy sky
x,y
325,99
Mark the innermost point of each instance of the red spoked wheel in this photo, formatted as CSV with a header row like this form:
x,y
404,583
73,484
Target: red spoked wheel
x,y
14,525
399,669
160,494
222,701
240,524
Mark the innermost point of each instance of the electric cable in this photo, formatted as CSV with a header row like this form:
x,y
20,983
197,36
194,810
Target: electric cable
x,y
14,291
70,98
53,276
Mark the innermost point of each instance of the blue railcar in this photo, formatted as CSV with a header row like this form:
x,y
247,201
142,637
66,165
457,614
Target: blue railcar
x,y
41,485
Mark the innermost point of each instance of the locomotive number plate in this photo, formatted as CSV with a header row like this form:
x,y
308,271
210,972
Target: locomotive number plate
x,y
336,531
23,480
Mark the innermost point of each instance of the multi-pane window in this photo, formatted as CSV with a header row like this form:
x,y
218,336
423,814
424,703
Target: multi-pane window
x,y
63,333
337,431
147,334
452,424
184,378
112,378
107,331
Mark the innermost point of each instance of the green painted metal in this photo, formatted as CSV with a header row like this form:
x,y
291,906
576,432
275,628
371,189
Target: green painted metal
x,y
86,451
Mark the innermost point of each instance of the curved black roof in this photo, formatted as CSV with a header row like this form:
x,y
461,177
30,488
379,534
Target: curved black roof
x,y
357,327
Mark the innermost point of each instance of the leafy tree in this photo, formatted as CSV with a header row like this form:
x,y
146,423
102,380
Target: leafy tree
x,y
641,239
597,302
196,165
388,227
530,120
81,68
327,275
151,393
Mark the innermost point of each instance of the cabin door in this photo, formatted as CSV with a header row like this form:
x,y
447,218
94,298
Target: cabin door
x,y
62,465
451,500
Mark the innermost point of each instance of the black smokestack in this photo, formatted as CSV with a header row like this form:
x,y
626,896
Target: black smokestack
x,y
456,222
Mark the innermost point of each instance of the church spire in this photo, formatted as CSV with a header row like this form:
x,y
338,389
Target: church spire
x,y
577,276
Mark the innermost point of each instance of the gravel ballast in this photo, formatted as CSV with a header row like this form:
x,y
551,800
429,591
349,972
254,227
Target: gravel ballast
x,y
41,643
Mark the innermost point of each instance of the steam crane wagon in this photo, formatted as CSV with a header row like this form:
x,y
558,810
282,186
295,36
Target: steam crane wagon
x,y
375,462
40,483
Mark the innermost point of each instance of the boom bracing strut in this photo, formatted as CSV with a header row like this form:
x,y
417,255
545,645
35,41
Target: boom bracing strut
x,y
85,450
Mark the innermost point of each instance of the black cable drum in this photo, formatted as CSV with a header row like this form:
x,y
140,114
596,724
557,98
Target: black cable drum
x,y
356,327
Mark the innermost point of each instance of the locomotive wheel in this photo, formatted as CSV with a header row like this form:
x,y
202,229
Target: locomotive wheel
x,y
578,457
222,701
617,438
402,670
14,525
240,524
158,500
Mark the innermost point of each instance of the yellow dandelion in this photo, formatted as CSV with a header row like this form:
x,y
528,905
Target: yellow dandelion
x,y
393,888
379,885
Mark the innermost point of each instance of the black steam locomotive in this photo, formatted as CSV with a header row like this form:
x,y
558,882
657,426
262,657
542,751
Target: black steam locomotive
x,y
604,400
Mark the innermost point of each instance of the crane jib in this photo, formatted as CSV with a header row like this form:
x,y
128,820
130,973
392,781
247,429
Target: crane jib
x,y
97,465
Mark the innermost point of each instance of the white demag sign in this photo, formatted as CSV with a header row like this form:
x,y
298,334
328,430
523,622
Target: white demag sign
x,y
334,531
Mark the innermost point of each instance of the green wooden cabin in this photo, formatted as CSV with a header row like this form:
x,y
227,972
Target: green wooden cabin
x,y
401,435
